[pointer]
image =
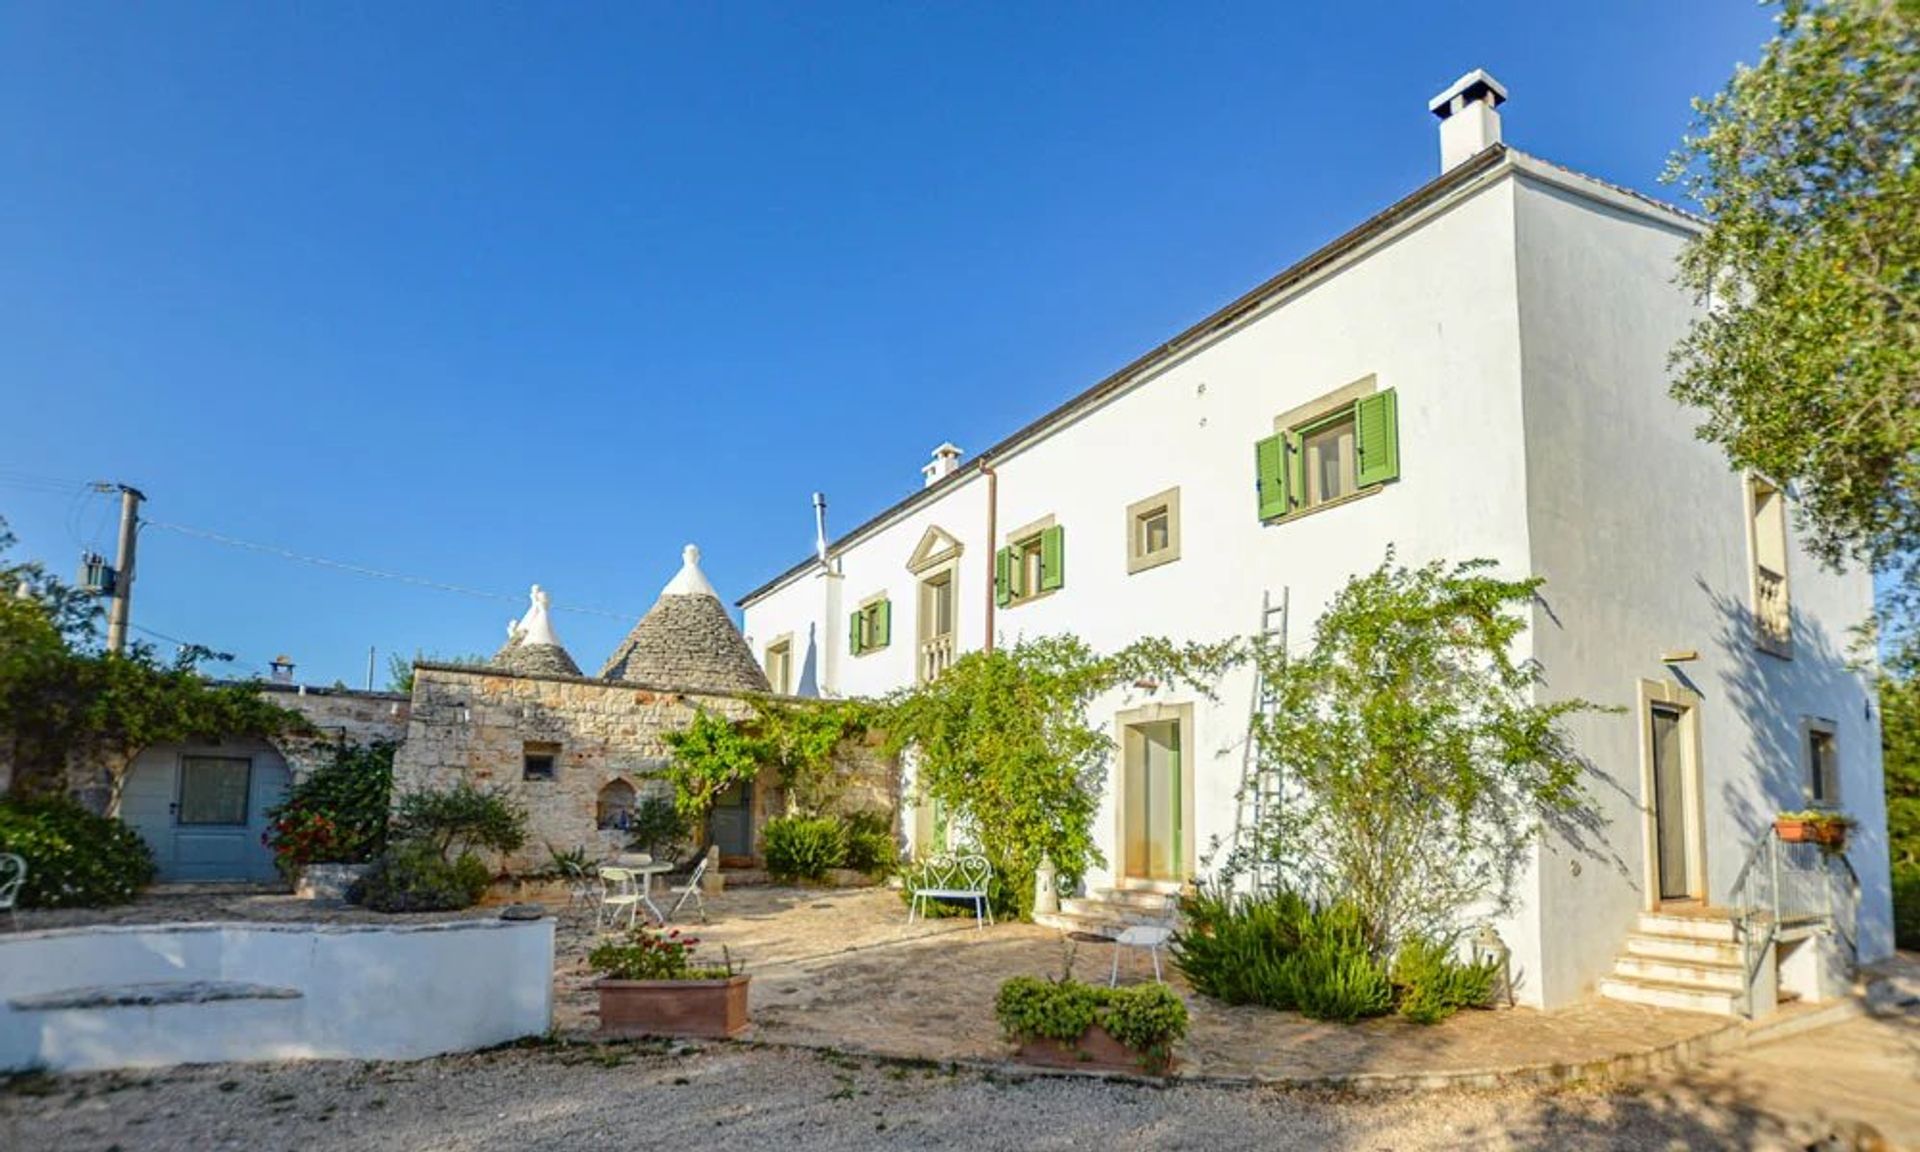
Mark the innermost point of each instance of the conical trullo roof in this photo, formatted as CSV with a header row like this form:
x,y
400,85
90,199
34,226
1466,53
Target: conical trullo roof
x,y
687,640
531,645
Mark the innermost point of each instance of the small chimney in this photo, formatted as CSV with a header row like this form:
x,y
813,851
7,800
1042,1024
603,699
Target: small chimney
x,y
1469,123
946,458
282,666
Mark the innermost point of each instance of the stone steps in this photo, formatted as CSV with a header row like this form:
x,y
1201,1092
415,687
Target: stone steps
x,y
1679,997
1687,961
1107,912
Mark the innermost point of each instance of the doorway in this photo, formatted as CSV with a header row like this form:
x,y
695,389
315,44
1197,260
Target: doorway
x,y
1670,783
730,823
1152,796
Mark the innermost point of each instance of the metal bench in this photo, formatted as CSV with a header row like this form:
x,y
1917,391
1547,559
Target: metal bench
x,y
958,878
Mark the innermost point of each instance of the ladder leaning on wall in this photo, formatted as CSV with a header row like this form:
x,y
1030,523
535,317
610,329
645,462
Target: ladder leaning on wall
x,y
1261,779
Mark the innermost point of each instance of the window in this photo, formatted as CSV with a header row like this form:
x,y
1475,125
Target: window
x,y
213,790
1823,764
1767,539
538,761
937,608
777,662
1346,444
1033,563
613,807
871,626
1153,531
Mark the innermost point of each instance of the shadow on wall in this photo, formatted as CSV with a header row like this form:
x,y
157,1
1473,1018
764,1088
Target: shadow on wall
x,y
809,681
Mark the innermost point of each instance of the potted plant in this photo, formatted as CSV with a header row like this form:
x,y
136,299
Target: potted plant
x,y
650,985
1067,1024
1821,826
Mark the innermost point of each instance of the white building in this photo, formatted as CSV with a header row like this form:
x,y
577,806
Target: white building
x,y
1480,370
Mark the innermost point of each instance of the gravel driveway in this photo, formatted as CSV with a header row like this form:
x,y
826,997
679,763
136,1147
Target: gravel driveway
x,y
572,1098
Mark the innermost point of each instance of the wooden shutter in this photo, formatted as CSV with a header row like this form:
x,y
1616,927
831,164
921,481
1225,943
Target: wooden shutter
x,y
1270,476
1003,576
1053,558
853,634
882,624
1376,427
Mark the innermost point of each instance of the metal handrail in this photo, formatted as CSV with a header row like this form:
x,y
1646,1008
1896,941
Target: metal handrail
x,y
1761,903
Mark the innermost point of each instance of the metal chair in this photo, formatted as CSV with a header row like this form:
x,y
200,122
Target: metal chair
x,y
690,891
13,874
618,891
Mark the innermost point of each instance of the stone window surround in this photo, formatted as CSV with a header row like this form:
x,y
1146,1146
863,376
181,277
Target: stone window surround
x,y
1808,726
862,608
1140,510
532,753
1750,494
1313,411
782,644
1018,539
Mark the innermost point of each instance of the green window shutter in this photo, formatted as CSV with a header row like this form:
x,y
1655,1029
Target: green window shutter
x,y
1376,426
1053,558
1296,471
853,634
1270,472
1003,576
883,624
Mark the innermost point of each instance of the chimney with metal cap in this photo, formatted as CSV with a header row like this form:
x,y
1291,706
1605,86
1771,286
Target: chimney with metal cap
x,y
1469,123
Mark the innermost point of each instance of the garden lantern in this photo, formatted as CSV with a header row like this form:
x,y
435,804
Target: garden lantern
x,y
1046,895
1488,948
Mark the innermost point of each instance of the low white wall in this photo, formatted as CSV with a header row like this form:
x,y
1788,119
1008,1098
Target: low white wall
x,y
364,992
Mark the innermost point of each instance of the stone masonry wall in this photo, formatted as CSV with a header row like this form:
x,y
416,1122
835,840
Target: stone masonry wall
x,y
341,715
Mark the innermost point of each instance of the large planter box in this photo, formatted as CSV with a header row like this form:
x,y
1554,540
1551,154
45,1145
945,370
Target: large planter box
x,y
710,1008
1095,1051
1827,833
328,882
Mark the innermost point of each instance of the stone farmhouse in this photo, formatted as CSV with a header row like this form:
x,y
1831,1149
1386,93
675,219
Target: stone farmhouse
x,y
1478,370
578,752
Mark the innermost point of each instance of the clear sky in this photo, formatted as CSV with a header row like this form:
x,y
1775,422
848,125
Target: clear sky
x,y
501,293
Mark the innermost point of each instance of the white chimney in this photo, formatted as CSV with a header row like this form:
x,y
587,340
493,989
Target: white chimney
x,y
282,666
946,458
1469,123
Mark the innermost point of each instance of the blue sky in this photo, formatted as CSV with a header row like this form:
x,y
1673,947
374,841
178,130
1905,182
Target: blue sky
x,y
504,293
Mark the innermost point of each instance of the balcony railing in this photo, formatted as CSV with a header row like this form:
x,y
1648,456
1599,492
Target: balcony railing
x,y
936,656
1772,614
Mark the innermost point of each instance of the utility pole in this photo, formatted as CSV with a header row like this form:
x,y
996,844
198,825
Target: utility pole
x,y
370,650
130,498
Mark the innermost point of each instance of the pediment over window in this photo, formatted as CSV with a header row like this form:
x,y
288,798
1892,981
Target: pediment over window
x,y
935,548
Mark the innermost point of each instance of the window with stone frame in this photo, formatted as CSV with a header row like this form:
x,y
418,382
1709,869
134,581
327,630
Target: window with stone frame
x,y
539,760
778,665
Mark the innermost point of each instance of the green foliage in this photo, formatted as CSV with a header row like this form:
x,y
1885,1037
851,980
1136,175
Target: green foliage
x,y
1426,764
1432,984
1806,361
413,876
803,847
462,817
799,739
710,755
1900,746
61,697
1149,1018
649,954
75,859
1279,951
871,845
1906,906
1004,744
336,815
658,828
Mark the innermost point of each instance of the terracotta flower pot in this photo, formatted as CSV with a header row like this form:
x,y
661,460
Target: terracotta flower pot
x,y
1095,1051
1827,833
712,1008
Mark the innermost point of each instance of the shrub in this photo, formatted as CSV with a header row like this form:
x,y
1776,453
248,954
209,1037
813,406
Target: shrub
x,y
649,954
804,847
75,859
871,846
337,815
1432,984
462,817
1333,975
413,876
1233,945
658,828
1148,1018
1906,906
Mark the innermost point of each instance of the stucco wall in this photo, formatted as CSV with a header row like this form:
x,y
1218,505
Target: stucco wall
x,y
362,993
1640,530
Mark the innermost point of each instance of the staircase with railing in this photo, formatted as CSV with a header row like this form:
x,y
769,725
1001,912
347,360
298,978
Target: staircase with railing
x,y
1789,890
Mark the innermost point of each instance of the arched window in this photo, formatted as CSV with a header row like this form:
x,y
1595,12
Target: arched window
x,y
613,808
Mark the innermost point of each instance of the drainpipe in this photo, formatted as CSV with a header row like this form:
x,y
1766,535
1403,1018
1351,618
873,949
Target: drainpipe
x,y
993,533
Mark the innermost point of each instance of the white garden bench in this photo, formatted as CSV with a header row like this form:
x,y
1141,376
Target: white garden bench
x,y
958,878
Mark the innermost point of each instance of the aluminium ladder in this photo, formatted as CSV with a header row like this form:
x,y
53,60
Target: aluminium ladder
x,y
1259,798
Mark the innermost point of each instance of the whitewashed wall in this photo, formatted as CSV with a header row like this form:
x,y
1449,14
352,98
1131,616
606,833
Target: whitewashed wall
x,y
364,993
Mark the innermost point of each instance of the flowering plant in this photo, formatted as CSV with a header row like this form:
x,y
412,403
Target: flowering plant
x,y
650,954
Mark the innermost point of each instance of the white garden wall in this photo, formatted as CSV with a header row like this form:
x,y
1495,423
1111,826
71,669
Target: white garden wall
x,y
299,991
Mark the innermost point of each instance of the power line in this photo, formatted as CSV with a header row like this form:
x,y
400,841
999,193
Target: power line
x,y
363,570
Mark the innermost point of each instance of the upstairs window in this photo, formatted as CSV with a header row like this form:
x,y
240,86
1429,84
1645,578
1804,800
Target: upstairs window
x,y
871,626
1033,563
1823,764
539,761
937,621
1767,540
1153,531
777,662
1348,446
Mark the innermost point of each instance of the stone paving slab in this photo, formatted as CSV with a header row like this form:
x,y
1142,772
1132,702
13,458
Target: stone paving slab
x,y
833,969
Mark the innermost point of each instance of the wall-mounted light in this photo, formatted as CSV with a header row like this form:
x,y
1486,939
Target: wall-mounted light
x,y
1147,684
1679,656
